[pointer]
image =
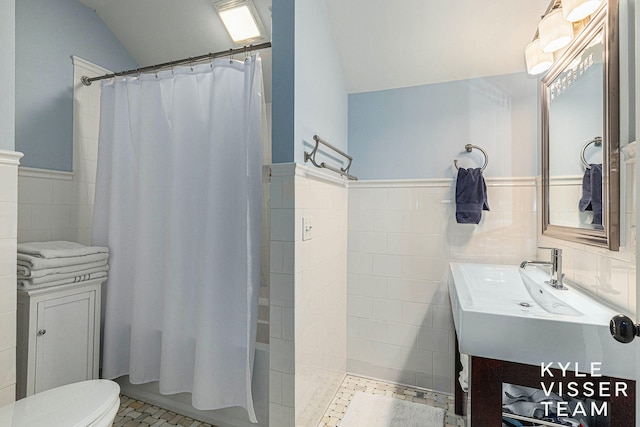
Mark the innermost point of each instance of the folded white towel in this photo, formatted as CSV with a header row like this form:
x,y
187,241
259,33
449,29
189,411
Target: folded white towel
x,y
58,249
37,263
25,272
26,285
77,275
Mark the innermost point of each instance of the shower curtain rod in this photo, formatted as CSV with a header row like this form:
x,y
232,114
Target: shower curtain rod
x,y
249,48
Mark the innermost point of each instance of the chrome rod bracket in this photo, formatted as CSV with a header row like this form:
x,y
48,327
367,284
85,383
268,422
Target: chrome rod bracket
x,y
311,157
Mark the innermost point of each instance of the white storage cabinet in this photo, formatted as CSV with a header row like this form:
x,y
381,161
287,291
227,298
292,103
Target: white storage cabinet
x,y
58,338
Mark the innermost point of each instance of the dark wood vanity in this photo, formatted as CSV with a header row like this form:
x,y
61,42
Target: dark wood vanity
x,y
488,375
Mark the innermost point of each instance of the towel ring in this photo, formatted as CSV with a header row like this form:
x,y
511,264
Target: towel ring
x,y
470,147
597,141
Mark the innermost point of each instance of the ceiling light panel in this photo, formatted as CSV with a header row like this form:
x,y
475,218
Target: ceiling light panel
x,y
241,21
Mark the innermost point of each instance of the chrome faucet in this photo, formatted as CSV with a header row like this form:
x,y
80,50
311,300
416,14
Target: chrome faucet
x,y
555,265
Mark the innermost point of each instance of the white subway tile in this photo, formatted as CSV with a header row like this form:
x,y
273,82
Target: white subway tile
x,y
8,293
275,386
387,265
7,395
372,330
7,367
403,244
360,220
281,416
289,193
442,317
436,340
417,268
387,310
359,349
282,225
370,198
359,263
9,180
7,331
444,364
414,313
282,289
367,285
63,192
368,242
288,323
282,355
50,216
360,306
291,256
35,190
403,335
8,220
388,221
275,321
275,193
276,257
8,257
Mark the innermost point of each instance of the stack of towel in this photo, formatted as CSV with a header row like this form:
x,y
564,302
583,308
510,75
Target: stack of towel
x,y
44,264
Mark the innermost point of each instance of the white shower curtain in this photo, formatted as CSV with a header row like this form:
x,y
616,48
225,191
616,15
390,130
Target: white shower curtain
x,y
178,203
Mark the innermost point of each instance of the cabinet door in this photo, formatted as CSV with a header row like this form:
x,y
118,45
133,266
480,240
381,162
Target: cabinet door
x,y
64,340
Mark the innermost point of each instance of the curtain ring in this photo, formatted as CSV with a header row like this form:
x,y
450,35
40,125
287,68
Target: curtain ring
x,y
230,56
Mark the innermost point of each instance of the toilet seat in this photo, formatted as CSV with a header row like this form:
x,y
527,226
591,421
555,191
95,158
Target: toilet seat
x,y
91,403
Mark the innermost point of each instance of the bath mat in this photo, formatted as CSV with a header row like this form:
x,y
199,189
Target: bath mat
x,y
372,410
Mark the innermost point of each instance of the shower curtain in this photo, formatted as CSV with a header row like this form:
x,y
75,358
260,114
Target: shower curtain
x,y
178,203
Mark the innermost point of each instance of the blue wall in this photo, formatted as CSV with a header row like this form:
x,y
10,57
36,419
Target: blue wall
x,y
282,80
321,101
417,132
48,32
7,74
309,92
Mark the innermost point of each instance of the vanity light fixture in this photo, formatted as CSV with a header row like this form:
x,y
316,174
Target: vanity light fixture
x,y
555,31
563,20
241,20
577,10
537,60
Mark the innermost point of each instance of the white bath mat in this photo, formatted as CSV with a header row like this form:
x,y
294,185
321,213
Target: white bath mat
x,y
372,410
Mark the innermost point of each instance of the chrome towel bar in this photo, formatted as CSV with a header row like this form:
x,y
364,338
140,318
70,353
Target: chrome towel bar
x,y
470,147
597,141
312,158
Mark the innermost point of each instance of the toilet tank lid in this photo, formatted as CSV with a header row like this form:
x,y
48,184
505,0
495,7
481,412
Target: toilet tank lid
x,y
72,405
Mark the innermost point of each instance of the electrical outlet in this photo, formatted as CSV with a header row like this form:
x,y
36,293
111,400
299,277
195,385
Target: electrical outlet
x,y
307,228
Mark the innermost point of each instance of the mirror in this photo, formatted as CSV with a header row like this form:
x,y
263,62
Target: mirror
x,y
580,137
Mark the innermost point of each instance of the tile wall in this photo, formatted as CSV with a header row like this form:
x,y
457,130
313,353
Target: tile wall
x,y
609,275
8,225
402,236
308,293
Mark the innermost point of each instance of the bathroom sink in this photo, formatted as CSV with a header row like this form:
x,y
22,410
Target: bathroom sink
x,y
507,313
552,300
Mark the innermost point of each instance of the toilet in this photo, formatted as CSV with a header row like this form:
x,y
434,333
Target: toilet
x,y
92,403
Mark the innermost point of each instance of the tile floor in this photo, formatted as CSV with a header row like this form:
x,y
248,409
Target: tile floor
x,y
135,413
352,383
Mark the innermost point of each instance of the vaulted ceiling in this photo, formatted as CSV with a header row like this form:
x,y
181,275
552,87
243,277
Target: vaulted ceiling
x,y
381,44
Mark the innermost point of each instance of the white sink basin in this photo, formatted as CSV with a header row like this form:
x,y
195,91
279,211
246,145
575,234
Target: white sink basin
x,y
507,313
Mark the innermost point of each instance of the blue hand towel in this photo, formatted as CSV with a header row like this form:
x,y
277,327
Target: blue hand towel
x,y
592,193
471,196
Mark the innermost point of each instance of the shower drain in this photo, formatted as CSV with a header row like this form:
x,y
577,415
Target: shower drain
x,y
525,304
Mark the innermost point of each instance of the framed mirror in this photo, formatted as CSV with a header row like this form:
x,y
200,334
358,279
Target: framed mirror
x,y
580,137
